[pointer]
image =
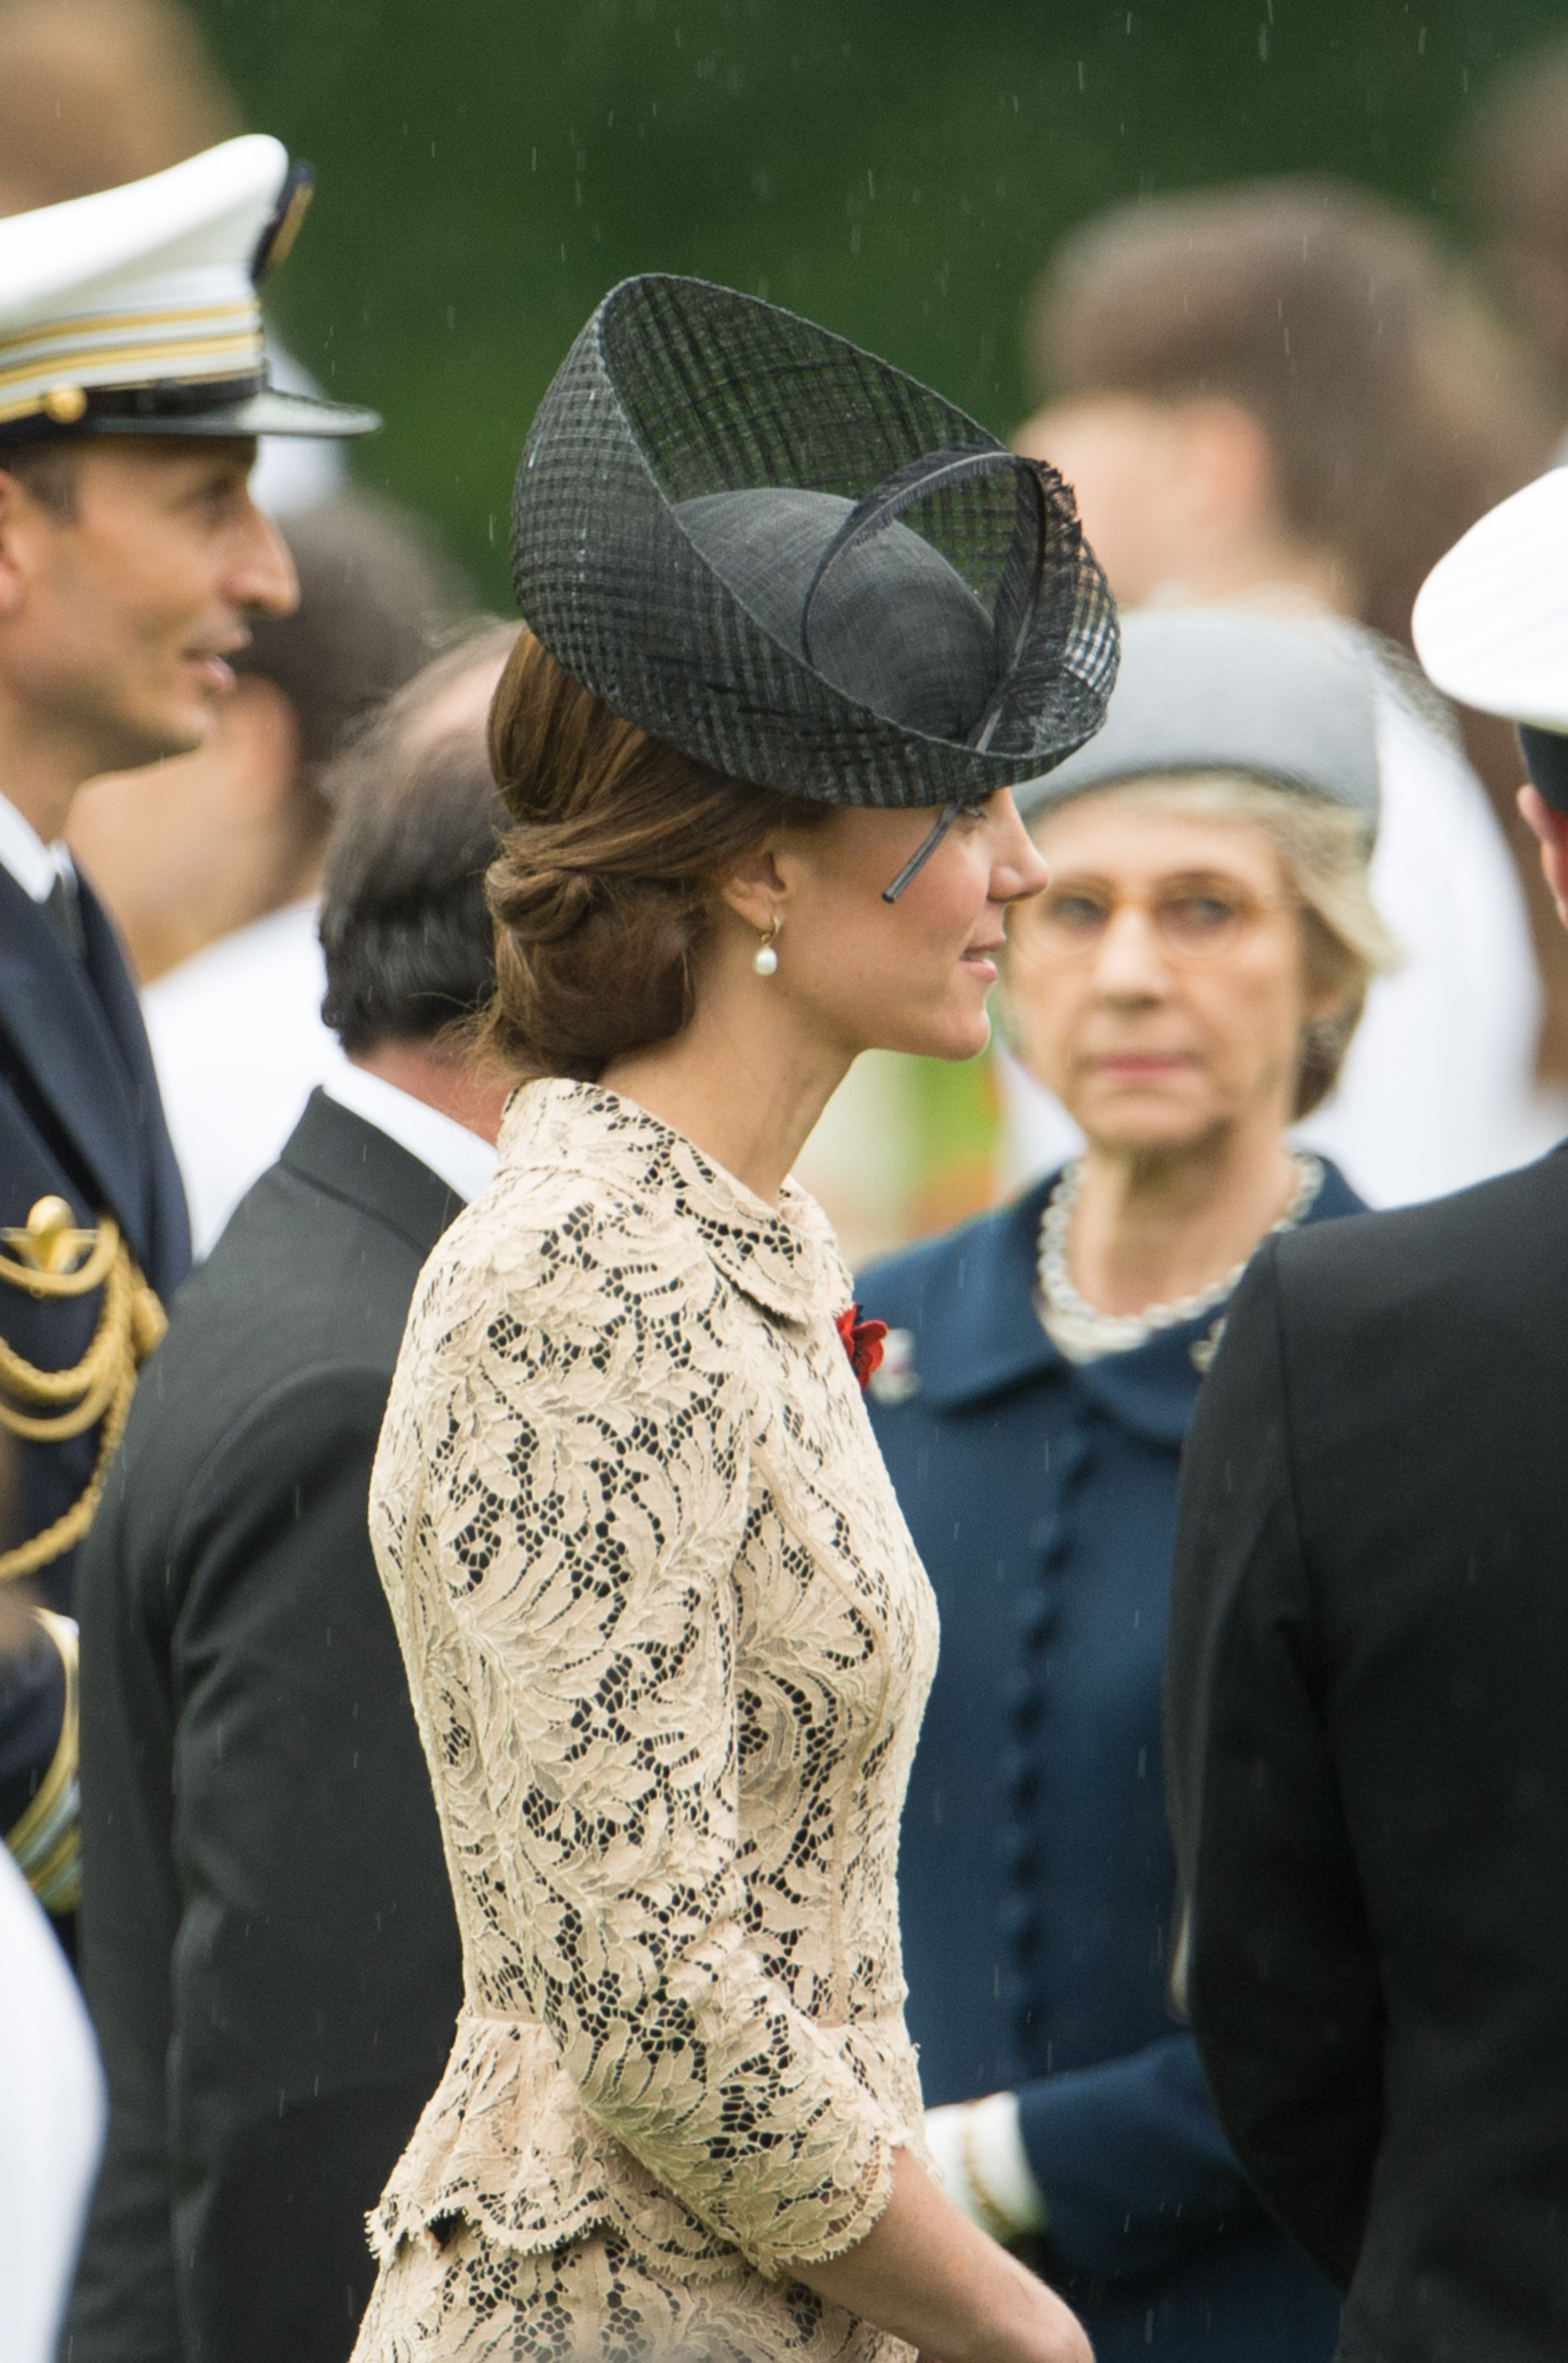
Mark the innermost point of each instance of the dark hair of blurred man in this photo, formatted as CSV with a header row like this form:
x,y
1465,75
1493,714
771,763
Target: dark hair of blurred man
x,y
1304,386
1513,164
269,1946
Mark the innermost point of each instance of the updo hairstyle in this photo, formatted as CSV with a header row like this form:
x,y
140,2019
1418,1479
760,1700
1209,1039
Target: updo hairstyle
x,y
606,882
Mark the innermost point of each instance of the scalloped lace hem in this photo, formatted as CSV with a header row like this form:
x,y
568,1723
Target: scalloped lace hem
x,y
506,2143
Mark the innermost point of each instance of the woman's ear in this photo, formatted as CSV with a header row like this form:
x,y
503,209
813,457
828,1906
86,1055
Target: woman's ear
x,y
754,890
1327,1003
16,517
1328,995
1552,828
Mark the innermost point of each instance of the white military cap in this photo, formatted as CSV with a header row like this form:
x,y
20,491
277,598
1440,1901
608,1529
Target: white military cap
x,y
1490,624
1491,621
135,311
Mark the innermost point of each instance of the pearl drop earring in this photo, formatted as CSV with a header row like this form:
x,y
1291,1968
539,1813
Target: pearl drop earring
x,y
764,959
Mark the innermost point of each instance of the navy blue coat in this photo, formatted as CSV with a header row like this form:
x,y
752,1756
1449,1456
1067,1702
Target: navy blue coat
x,y
80,1119
1037,1878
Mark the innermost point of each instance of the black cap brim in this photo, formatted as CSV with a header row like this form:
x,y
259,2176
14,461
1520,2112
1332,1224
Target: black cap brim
x,y
267,413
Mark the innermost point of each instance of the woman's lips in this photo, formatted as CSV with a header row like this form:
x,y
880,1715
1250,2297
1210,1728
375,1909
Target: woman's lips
x,y
214,672
1140,1066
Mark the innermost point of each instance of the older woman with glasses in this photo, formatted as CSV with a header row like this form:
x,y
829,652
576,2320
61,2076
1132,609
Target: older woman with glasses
x,y
1187,984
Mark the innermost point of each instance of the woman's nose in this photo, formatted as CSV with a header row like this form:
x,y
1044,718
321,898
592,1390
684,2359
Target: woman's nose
x,y
1129,959
1017,868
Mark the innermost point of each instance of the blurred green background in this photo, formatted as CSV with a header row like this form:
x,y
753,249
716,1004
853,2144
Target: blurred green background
x,y
898,169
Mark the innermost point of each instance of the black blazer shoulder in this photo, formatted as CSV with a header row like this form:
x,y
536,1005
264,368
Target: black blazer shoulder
x,y
313,1273
1497,1239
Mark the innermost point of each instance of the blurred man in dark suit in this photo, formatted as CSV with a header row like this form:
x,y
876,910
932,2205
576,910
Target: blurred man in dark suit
x,y
269,1947
1367,1748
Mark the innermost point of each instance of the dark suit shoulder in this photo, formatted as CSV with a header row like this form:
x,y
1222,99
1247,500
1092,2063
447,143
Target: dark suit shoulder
x,y
298,1282
1509,1229
1386,1308
310,1283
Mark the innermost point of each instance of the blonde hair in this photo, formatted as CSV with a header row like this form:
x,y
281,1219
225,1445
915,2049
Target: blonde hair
x,y
1325,850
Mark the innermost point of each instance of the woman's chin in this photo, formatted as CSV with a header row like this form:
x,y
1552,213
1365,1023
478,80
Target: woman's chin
x,y
964,1038
1144,1132
946,1033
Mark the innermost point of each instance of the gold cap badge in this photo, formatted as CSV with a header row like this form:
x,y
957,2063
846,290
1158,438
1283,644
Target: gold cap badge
x,y
64,405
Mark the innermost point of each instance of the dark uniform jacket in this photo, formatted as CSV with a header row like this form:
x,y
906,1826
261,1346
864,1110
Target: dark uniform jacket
x,y
1368,1754
1036,1876
80,1119
270,1950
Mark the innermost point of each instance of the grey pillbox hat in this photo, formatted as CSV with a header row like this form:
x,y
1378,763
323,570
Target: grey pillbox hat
x,y
1206,689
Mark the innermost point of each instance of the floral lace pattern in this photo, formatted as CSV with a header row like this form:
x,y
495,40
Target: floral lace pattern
x,y
590,2302
668,1644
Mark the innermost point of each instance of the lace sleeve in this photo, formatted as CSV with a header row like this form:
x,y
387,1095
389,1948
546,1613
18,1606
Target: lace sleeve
x,y
593,1514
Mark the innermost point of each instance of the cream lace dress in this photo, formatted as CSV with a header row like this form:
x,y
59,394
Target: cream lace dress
x,y
668,1644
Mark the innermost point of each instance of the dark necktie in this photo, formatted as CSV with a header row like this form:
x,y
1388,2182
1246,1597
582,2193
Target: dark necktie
x,y
64,908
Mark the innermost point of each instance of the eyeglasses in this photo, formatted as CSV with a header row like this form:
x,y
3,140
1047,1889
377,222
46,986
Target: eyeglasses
x,y
1195,920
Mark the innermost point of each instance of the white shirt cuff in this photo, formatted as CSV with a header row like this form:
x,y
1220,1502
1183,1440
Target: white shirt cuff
x,y
983,2166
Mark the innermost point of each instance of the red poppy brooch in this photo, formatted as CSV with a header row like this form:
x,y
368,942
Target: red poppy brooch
x,y
863,1343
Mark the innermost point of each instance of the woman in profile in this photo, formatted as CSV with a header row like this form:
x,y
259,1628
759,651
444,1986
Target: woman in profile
x,y
667,1637
1187,986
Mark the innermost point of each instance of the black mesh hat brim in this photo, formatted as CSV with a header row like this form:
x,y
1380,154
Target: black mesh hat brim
x,y
676,390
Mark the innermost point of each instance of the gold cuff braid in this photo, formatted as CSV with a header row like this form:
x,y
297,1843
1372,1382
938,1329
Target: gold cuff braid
x,y
54,1260
996,2220
47,1841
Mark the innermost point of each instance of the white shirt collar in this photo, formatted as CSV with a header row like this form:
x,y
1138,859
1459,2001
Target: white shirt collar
x,y
458,1157
34,865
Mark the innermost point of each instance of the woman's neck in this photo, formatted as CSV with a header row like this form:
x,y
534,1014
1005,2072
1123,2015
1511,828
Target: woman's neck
x,y
744,1089
1151,1229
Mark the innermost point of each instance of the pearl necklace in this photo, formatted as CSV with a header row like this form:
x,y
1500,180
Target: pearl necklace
x,y
1080,1332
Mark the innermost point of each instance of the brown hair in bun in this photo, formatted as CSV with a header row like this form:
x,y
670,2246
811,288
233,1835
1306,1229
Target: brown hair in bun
x,y
606,882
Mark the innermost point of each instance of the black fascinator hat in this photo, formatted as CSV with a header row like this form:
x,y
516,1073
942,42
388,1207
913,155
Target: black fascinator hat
x,y
800,566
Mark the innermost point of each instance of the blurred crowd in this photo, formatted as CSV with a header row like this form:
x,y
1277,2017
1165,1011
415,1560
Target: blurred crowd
x,y
1278,404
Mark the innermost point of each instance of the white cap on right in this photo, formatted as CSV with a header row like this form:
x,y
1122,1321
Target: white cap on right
x,y
1491,621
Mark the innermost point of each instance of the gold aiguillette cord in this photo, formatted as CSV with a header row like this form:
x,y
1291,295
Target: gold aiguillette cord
x,y
52,1259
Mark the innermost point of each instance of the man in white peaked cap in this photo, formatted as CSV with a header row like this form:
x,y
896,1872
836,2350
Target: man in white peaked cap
x,y
1367,1753
132,390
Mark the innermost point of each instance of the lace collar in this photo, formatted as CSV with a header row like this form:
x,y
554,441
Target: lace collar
x,y
787,1260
